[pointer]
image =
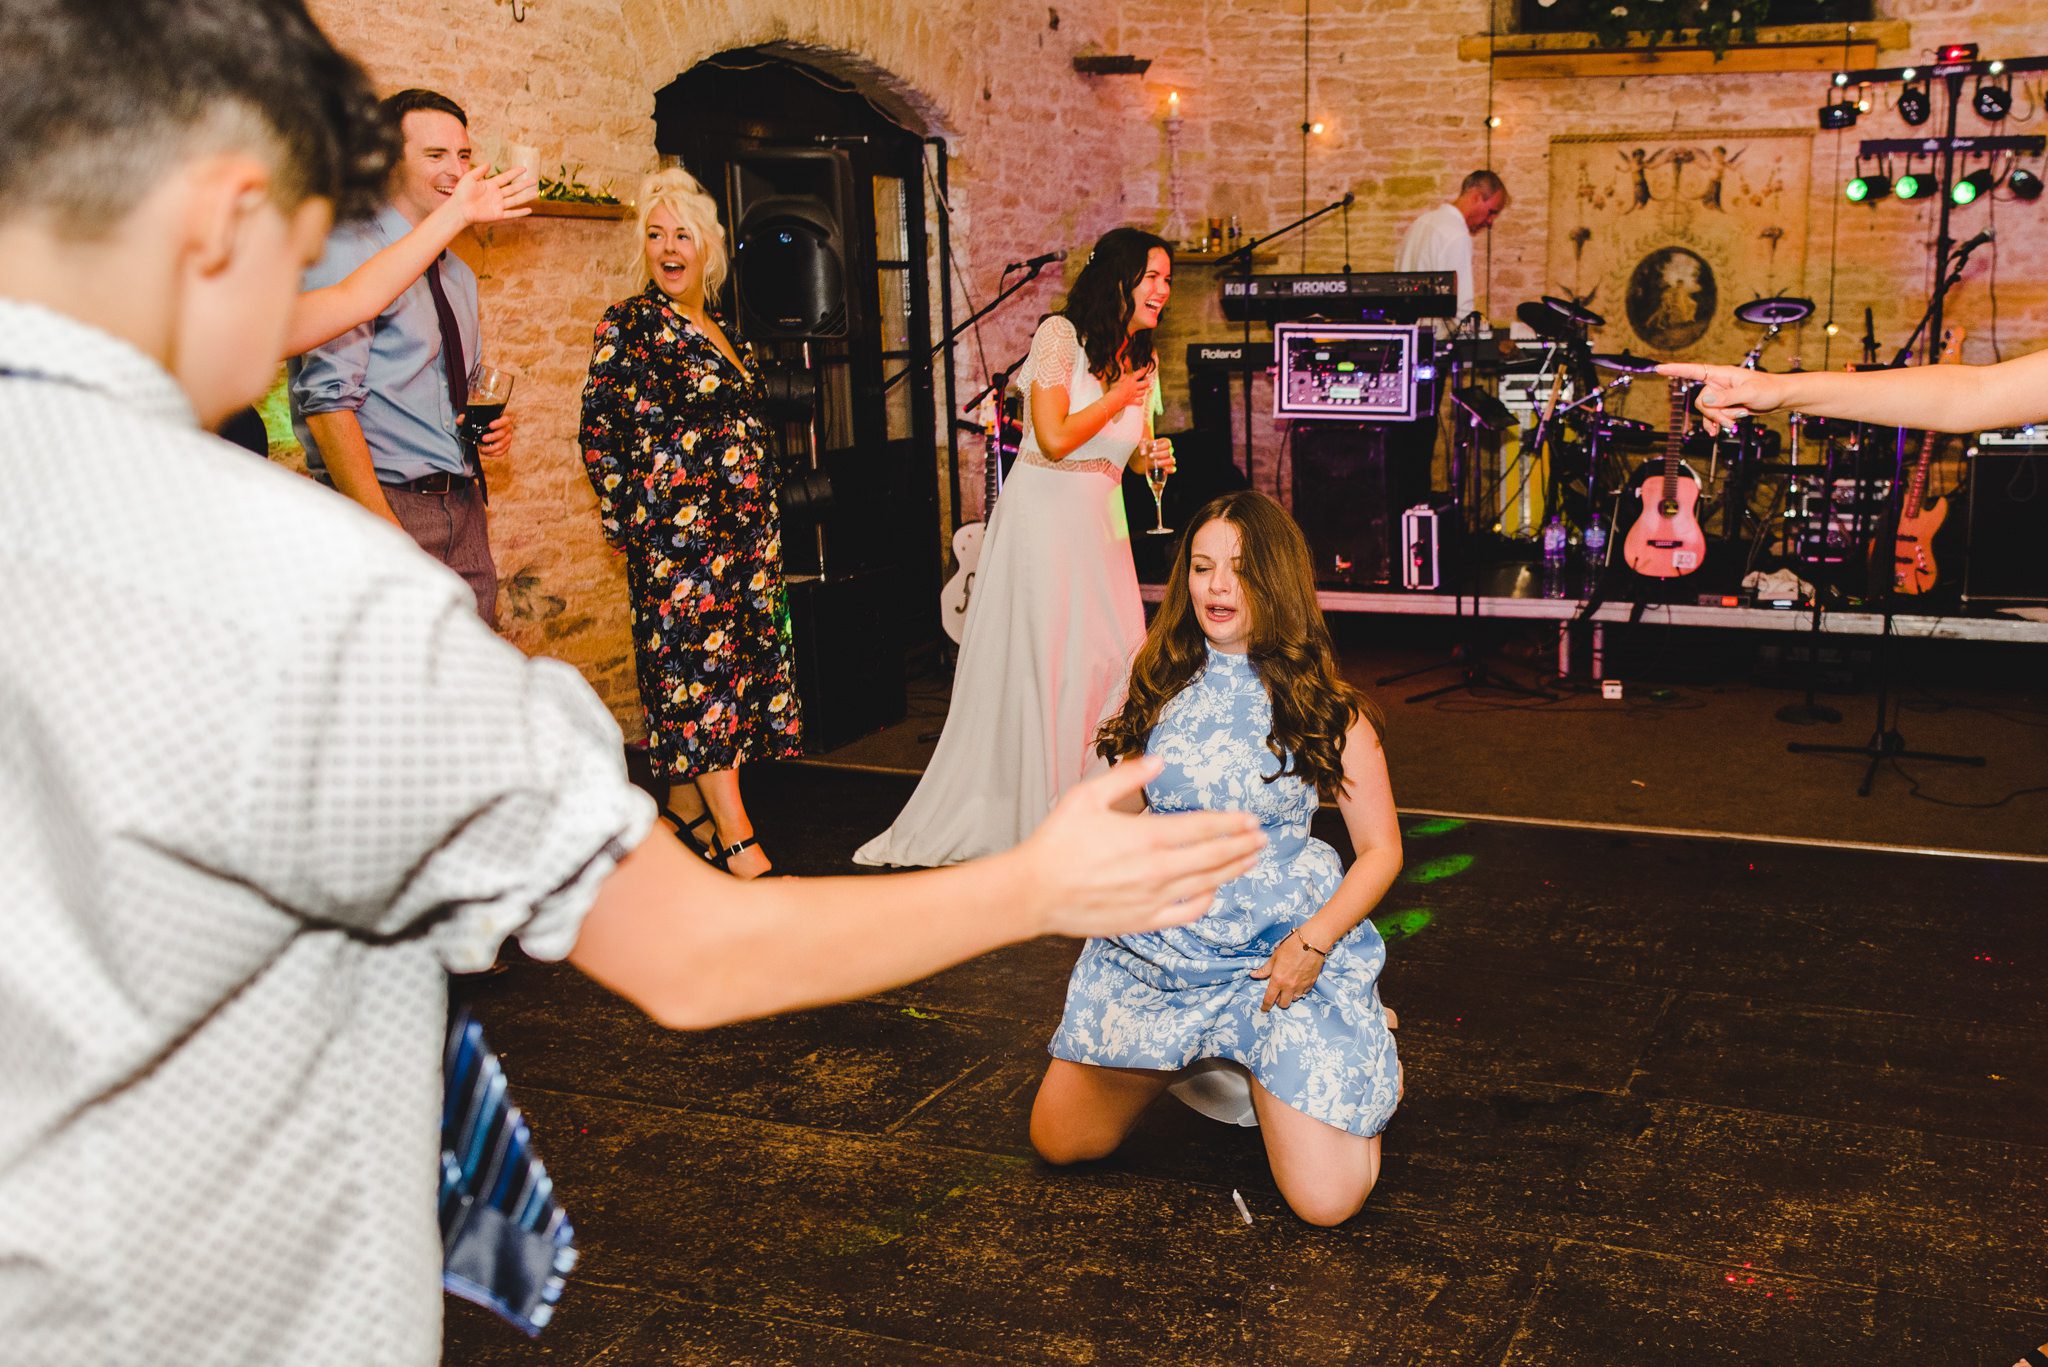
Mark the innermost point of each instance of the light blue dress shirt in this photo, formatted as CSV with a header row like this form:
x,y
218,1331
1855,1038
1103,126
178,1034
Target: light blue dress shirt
x,y
389,371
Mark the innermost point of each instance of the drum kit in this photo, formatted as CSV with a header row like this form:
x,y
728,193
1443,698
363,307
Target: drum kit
x,y
1819,486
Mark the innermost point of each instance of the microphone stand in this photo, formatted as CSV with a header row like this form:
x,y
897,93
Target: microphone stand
x,y
1031,273
1242,257
1886,741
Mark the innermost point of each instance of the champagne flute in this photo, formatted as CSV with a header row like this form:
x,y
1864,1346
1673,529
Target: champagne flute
x,y
1156,476
490,389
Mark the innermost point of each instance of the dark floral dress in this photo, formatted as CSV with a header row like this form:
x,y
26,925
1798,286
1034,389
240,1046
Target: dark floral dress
x,y
675,446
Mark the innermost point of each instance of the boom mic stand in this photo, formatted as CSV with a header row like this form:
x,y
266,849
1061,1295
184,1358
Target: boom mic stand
x,y
1812,711
1886,741
1031,271
1472,668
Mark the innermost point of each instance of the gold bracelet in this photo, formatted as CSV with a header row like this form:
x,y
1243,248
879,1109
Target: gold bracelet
x,y
1319,953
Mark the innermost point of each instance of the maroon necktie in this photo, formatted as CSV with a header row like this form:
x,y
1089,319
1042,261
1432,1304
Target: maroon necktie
x,y
451,359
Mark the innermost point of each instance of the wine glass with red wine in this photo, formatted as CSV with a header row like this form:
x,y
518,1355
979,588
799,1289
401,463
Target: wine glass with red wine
x,y
490,388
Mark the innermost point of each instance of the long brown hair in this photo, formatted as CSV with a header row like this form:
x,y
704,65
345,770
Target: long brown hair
x,y
1288,644
1099,305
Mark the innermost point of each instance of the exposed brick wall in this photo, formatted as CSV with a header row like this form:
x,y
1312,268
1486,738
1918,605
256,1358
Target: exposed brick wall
x,y
1045,158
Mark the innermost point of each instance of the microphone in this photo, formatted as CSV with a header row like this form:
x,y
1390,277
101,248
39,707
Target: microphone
x,y
1039,262
1963,252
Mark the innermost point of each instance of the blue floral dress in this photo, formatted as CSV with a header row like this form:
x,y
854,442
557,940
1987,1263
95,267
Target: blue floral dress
x,y
1169,998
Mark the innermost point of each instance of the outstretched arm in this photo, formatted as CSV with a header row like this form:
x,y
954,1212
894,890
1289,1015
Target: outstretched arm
x,y
694,948
1946,398
322,315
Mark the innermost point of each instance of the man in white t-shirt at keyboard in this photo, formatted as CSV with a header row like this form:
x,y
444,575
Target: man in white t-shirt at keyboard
x,y
1441,240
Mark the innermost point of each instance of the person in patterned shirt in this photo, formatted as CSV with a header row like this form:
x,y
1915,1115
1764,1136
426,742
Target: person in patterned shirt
x,y
265,776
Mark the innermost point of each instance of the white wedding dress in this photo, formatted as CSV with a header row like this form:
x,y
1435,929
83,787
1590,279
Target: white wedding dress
x,y
1046,647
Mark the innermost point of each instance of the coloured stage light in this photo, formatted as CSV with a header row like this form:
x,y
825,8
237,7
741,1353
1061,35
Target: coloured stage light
x,y
1970,187
1868,189
2024,185
1838,114
1914,105
1913,186
1993,101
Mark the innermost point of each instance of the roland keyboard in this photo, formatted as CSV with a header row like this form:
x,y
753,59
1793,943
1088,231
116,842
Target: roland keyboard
x,y
1402,296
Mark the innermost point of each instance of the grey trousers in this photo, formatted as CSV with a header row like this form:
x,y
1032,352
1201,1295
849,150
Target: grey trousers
x,y
451,527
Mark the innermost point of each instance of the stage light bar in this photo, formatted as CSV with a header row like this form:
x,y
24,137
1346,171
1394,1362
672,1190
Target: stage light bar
x,y
1915,105
1868,189
1914,186
1971,187
2025,185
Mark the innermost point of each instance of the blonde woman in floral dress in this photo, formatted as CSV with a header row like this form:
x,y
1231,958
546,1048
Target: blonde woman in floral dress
x,y
679,455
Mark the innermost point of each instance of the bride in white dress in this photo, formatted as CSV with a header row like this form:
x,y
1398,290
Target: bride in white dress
x,y
1055,615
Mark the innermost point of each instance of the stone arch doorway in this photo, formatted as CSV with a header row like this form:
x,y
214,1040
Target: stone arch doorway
x,y
759,126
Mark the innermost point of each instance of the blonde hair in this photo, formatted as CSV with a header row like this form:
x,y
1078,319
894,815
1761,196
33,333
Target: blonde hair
x,y
696,211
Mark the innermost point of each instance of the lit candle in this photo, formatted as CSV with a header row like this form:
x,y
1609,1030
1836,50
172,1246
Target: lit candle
x,y
1173,106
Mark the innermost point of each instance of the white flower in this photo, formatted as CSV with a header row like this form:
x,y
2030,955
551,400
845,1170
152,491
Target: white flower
x,y
1619,11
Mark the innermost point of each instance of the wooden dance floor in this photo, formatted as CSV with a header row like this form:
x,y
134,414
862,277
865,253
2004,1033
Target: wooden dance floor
x,y
1668,1101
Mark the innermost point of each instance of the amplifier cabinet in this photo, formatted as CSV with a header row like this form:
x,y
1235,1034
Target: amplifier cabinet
x,y
1343,499
2008,500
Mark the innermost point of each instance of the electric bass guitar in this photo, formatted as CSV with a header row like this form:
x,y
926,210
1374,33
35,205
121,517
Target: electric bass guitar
x,y
959,590
1913,568
1666,540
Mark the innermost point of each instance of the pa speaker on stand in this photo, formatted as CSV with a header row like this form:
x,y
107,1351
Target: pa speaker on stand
x,y
789,210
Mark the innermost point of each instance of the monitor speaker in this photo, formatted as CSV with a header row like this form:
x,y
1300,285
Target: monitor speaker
x,y
848,656
1344,501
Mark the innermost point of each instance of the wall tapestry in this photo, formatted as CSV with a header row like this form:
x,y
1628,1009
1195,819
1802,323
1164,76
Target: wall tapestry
x,y
1665,234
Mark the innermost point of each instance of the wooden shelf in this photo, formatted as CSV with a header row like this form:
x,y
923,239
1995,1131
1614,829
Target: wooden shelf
x,y
566,208
1188,258
1786,47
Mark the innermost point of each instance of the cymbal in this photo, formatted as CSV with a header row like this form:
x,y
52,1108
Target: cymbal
x,y
1558,320
1779,311
1624,362
1576,314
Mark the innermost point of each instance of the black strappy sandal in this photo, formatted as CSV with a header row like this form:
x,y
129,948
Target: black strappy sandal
x,y
722,858
686,831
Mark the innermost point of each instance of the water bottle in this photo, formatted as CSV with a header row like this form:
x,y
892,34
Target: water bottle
x,y
1594,543
1556,549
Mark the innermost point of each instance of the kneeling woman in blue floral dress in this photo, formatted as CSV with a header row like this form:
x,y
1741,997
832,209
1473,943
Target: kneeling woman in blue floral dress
x,y
1265,1011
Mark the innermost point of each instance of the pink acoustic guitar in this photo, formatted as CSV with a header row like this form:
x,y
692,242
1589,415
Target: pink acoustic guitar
x,y
1666,541
1913,568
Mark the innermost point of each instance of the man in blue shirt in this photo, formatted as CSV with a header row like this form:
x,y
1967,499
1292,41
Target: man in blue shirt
x,y
379,408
